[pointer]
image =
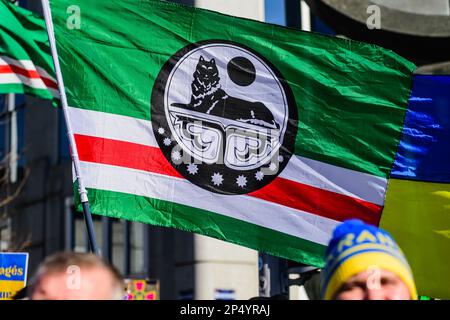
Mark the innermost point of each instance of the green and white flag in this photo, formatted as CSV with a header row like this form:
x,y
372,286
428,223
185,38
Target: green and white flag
x,y
251,133
25,62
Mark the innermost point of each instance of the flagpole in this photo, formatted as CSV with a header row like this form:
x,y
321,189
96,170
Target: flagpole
x,y
76,162
11,103
11,100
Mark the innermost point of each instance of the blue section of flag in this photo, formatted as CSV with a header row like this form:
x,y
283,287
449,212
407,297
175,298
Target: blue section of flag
x,y
424,150
13,266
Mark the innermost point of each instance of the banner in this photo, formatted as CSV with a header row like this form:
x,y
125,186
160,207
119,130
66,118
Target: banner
x,y
25,62
251,133
142,289
417,211
13,273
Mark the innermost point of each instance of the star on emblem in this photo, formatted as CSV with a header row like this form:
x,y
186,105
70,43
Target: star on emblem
x,y
259,175
167,142
241,181
273,166
176,155
192,168
161,130
217,179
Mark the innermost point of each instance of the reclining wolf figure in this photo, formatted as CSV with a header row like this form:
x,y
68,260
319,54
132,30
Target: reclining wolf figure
x,y
208,97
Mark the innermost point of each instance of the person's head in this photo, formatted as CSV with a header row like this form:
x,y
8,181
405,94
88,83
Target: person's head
x,y
363,262
76,276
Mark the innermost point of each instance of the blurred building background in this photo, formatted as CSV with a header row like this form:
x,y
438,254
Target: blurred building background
x,y
36,206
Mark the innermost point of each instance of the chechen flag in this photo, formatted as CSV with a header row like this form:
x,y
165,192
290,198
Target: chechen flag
x,y
25,62
251,133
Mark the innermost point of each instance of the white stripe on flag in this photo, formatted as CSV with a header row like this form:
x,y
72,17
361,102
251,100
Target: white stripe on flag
x,y
45,74
259,212
27,65
35,83
299,169
24,64
336,179
112,126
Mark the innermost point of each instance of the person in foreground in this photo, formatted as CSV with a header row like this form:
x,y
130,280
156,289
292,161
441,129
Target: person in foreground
x,y
76,276
363,262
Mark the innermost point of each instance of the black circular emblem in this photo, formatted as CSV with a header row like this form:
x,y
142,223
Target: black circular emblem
x,y
224,117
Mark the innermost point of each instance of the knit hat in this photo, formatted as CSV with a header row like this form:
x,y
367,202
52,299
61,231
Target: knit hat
x,y
356,247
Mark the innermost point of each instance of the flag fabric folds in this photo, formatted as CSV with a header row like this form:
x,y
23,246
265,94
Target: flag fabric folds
x,y
417,211
251,133
25,62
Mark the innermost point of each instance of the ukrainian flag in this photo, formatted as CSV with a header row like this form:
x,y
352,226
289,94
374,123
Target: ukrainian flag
x,y
417,207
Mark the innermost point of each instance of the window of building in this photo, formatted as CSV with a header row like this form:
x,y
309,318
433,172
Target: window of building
x,y
120,242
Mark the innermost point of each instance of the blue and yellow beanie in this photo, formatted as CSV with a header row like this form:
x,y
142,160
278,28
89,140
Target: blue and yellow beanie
x,y
354,248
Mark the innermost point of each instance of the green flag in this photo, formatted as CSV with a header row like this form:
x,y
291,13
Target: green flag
x,y
25,62
251,133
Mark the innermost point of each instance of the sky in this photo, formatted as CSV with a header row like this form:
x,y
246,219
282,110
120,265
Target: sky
x,y
275,12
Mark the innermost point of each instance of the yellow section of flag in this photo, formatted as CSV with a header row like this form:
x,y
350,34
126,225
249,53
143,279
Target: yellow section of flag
x,y
417,214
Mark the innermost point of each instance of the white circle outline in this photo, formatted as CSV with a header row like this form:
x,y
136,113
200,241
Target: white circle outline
x,y
222,44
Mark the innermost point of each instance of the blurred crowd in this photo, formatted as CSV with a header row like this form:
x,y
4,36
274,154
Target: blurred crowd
x,y
362,262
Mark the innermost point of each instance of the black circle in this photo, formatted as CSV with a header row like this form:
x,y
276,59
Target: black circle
x,y
203,171
241,71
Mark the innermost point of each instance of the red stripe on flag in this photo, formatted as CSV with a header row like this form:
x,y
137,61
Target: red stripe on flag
x,y
31,74
123,154
282,191
318,201
50,83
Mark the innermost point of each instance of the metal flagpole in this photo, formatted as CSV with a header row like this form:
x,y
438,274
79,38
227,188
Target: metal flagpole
x,y
11,102
81,189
